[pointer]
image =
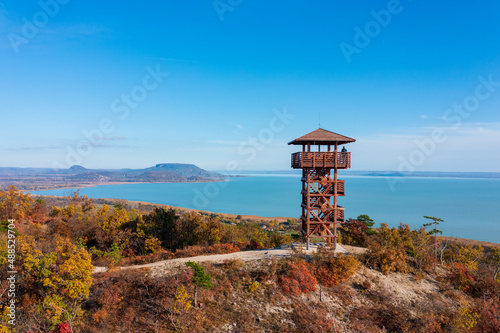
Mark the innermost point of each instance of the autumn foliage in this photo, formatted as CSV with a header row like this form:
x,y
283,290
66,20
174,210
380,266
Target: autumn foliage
x,y
386,250
331,269
353,233
461,277
60,241
298,279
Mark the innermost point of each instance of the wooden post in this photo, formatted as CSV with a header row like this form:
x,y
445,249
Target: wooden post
x,y
335,199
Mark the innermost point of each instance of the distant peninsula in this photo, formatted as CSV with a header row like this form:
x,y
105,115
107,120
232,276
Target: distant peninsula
x,y
78,176
387,174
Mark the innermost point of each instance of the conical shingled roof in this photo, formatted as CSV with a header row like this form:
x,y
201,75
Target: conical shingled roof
x,y
322,137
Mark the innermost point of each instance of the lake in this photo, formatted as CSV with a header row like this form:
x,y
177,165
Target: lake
x,y
469,207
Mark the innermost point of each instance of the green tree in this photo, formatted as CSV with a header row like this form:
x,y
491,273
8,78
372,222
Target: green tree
x,y
163,225
200,279
253,233
190,230
435,231
369,223
211,229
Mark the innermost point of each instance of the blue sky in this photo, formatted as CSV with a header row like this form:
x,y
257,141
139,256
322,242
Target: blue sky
x,y
85,82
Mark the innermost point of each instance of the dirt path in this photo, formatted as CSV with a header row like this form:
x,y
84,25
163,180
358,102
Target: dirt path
x,y
277,253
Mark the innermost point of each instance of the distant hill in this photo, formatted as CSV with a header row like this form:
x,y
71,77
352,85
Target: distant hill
x,y
76,175
186,170
89,176
77,169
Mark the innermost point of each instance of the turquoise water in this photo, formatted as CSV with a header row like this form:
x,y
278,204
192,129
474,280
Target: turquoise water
x,y
470,207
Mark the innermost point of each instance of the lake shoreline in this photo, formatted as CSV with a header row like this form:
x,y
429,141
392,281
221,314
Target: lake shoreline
x,y
89,185
458,202
282,219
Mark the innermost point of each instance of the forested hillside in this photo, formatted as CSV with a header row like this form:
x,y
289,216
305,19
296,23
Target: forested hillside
x,y
394,280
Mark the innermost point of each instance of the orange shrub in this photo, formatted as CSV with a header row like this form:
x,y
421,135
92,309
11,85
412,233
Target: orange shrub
x,y
331,269
386,250
223,248
198,250
146,259
191,251
354,233
461,277
298,279
489,322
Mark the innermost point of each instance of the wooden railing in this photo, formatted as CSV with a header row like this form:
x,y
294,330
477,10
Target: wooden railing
x,y
328,191
321,160
340,187
338,213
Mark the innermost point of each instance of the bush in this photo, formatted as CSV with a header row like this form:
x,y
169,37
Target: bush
x,y
387,259
312,319
331,269
253,286
386,250
489,322
419,248
298,279
197,250
223,248
366,284
146,259
277,239
353,232
152,245
63,328
467,317
461,277
233,264
483,282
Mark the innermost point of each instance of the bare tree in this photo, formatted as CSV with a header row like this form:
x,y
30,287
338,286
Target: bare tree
x,y
435,222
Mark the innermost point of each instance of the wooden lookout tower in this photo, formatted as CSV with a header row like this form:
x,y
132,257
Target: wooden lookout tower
x,y
320,211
